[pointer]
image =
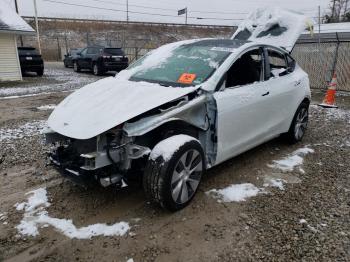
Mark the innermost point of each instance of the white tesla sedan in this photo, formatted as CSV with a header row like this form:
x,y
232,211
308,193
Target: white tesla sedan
x,y
184,108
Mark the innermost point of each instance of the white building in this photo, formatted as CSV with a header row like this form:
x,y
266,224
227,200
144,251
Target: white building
x,y
11,25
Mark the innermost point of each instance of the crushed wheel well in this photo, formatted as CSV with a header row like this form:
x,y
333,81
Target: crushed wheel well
x,y
166,130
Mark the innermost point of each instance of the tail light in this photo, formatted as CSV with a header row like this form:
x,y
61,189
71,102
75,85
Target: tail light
x,y
104,55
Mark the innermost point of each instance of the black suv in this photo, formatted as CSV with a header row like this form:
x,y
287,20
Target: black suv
x,y
30,60
70,56
100,60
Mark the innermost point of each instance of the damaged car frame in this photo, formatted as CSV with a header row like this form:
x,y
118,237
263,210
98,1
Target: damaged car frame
x,y
182,109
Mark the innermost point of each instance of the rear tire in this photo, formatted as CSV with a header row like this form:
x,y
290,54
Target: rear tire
x,y
76,67
96,69
299,124
174,171
40,72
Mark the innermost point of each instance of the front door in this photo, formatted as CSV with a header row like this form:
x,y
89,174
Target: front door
x,y
243,107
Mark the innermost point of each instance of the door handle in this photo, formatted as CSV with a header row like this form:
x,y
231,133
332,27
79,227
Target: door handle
x,y
266,94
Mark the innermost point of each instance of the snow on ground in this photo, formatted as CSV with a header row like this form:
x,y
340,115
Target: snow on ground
x,y
241,192
61,81
274,182
47,107
25,130
35,216
290,162
334,113
235,193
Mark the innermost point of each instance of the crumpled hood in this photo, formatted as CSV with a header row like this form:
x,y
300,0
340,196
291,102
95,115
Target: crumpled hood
x,y
107,103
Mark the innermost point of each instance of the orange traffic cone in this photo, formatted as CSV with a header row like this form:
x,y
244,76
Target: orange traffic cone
x,y
329,99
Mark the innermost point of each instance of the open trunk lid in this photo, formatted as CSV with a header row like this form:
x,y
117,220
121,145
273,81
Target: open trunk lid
x,y
273,26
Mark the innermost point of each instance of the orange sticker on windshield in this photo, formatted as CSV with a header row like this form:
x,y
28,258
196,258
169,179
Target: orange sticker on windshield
x,y
187,78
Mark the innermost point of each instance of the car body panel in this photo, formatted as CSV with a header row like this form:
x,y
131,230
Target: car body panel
x,y
247,117
30,59
107,103
273,26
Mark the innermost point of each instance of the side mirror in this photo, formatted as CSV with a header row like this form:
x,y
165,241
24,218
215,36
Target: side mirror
x,y
79,53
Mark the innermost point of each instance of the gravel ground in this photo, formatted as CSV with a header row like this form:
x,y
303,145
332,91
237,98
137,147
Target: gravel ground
x,y
307,221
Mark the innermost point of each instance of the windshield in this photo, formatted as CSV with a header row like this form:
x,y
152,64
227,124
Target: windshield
x,y
187,65
75,51
114,51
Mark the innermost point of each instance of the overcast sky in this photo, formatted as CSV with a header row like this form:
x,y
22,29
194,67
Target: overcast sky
x,y
225,12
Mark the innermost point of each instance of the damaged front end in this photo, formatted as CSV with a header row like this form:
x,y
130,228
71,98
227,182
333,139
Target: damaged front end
x,y
115,156
102,160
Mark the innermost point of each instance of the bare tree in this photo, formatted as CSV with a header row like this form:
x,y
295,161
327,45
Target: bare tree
x,y
339,11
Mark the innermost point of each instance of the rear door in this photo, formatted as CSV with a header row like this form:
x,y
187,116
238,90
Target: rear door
x,y
285,87
273,26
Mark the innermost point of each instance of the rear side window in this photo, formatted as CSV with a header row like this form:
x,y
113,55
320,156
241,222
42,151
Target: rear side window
x,y
278,63
93,51
27,52
114,51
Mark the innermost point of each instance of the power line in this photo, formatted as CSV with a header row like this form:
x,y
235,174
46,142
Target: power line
x,y
142,13
169,9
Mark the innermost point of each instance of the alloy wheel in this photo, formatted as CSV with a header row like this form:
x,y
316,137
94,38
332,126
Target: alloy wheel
x,y
95,70
301,123
186,176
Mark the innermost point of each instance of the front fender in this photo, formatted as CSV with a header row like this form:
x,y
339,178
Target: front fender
x,y
192,112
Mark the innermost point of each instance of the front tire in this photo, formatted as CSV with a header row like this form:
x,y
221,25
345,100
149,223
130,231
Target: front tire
x,y
174,171
299,124
76,67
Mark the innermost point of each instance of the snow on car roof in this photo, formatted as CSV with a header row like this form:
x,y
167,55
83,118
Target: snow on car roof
x,y
10,21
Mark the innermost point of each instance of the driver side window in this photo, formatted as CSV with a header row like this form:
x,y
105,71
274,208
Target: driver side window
x,y
84,51
246,70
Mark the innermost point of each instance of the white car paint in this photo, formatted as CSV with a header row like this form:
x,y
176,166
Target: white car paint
x,y
107,103
246,118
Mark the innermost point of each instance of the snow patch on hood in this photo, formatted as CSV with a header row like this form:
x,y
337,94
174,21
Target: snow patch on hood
x,y
107,103
102,105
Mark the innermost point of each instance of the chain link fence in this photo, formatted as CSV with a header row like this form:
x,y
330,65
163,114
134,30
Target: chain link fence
x,y
324,56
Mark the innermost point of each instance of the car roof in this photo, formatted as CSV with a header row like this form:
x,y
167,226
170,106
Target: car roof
x,y
220,42
26,48
234,44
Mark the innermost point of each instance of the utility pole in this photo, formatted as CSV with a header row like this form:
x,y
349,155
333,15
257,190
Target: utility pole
x,y
333,12
319,27
37,26
186,16
127,11
20,37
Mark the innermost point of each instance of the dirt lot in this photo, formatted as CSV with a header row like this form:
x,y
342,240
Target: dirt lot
x,y
306,217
